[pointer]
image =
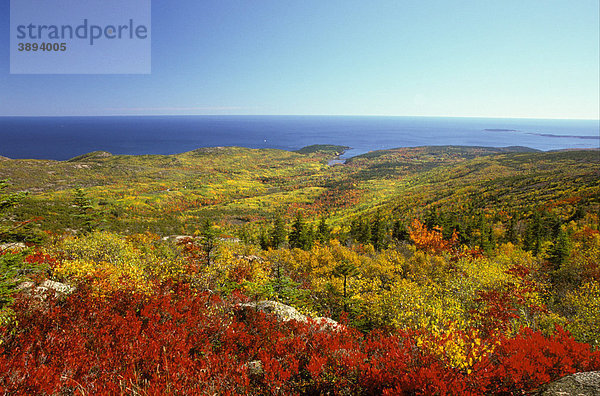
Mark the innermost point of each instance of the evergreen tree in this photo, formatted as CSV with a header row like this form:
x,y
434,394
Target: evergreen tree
x,y
484,233
561,249
84,210
263,240
431,218
208,236
364,232
378,233
323,233
278,233
400,232
578,214
511,229
345,269
301,235
533,234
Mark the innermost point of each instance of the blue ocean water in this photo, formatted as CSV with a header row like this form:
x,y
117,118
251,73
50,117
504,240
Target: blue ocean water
x,y
62,138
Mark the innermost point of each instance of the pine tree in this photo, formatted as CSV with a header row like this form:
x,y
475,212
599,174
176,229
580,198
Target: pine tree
x,y
345,269
400,232
278,233
263,240
364,232
561,249
323,233
302,235
378,233
511,231
484,233
209,239
84,209
533,234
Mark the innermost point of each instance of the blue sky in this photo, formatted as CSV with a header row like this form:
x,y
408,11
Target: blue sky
x,y
532,58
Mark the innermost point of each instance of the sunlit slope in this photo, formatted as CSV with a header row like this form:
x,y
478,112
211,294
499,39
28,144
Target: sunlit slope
x,y
170,193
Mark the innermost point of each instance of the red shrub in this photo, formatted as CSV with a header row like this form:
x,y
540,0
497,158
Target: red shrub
x,y
179,342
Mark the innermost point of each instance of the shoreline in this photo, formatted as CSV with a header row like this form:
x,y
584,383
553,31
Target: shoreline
x,y
336,160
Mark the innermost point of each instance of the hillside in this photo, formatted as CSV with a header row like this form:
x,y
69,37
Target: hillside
x,y
454,270
236,184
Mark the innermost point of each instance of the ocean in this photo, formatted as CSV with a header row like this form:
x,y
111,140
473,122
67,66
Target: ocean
x,y
61,138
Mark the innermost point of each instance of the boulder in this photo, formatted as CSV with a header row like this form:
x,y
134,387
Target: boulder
x,y
255,368
16,246
578,384
281,311
251,258
285,313
58,288
328,324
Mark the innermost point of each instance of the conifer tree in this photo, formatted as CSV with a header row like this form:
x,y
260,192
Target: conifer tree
x,y
511,229
345,269
84,209
533,234
278,233
378,233
302,235
323,233
561,249
209,239
400,232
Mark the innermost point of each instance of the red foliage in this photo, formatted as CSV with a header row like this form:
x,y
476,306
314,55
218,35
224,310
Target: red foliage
x,y
497,307
40,258
531,359
179,342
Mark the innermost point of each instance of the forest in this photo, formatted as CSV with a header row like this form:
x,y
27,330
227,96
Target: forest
x,y
443,270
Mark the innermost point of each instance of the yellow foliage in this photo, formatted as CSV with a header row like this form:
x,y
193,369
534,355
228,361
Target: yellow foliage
x,y
585,301
113,262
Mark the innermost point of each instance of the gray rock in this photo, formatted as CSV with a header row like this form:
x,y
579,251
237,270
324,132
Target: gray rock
x,y
328,324
286,313
255,368
281,311
58,288
12,246
25,285
578,384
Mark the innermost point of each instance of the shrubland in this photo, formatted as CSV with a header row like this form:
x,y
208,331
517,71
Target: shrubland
x,y
454,270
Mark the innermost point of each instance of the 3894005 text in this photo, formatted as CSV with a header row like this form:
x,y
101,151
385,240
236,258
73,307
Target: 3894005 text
x,y
48,47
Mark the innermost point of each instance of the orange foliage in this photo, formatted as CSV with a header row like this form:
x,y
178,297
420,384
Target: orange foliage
x,y
431,241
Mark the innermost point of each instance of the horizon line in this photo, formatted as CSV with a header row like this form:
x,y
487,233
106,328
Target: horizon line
x,y
301,115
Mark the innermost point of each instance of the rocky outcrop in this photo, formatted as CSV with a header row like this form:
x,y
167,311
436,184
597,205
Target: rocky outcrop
x,y
179,239
12,246
251,258
578,384
255,368
285,313
59,289
281,311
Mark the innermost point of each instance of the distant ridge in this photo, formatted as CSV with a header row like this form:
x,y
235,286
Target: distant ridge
x,y
92,155
323,148
519,149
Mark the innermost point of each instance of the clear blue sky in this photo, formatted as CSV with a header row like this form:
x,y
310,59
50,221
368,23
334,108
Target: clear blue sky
x,y
522,58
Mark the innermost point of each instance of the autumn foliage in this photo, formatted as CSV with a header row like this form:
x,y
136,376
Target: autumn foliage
x,y
453,270
431,241
177,341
